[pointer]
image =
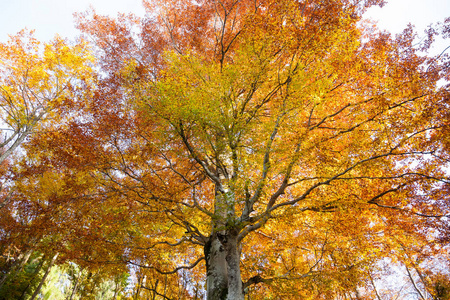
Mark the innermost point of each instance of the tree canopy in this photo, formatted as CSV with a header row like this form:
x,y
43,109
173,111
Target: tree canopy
x,y
222,148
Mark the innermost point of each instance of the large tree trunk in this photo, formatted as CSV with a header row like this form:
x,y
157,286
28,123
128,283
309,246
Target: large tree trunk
x,y
216,270
223,281
233,257
222,251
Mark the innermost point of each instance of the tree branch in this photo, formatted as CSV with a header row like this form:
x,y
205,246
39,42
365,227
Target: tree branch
x,y
191,266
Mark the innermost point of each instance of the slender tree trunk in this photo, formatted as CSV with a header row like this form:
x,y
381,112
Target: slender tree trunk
x,y
116,290
50,265
17,266
35,273
138,288
155,290
374,286
75,287
414,283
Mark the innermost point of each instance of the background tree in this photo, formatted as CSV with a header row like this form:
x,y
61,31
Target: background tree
x,y
35,80
238,143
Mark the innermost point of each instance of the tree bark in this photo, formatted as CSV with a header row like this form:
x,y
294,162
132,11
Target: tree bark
x,y
222,251
233,258
223,281
216,269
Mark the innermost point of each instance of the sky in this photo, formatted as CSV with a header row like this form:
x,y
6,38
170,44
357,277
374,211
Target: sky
x,y
396,14
49,17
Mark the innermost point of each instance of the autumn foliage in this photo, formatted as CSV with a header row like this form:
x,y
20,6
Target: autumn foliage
x,y
276,149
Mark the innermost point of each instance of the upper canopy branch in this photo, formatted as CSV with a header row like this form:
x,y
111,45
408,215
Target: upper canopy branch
x,y
197,158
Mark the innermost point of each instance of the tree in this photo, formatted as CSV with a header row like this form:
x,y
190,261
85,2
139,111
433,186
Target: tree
x,y
285,144
36,79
